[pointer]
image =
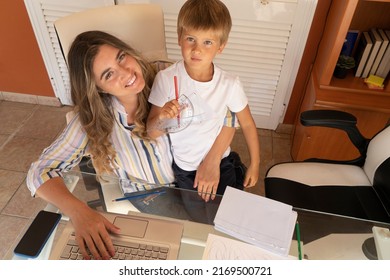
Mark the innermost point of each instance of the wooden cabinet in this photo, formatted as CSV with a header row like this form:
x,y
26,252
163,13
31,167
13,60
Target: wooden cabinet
x,y
371,107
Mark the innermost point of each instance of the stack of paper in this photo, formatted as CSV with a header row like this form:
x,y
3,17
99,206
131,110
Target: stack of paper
x,y
257,220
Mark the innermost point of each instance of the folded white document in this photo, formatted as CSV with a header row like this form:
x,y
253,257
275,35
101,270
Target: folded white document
x,y
257,220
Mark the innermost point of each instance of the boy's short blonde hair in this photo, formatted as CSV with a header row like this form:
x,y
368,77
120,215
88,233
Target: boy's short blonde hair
x,y
205,15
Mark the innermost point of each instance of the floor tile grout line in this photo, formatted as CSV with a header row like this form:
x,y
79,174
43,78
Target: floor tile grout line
x,y
11,198
12,135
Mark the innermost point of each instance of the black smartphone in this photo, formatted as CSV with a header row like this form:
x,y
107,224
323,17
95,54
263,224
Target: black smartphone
x,y
37,234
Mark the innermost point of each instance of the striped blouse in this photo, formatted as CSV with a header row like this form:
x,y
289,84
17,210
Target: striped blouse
x,y
149,161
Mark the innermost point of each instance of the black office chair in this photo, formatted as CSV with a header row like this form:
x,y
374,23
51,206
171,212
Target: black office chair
x,y
357,188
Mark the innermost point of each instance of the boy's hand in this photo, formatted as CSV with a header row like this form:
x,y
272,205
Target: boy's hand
x,y
207,179
170,110
251,176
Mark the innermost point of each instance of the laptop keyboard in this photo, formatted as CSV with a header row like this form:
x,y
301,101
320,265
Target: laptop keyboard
x,y
123,251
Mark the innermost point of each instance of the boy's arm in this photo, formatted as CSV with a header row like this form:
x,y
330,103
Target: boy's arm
x,y
152,122
158,114
249,130
208,172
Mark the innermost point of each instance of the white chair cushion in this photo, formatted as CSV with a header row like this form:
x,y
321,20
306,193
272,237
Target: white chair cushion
x,y
320,174
377,152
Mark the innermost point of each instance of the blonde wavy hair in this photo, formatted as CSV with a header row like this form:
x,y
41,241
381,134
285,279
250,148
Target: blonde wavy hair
x,y
94,107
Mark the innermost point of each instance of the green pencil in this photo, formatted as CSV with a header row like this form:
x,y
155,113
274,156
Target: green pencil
x,y
298,233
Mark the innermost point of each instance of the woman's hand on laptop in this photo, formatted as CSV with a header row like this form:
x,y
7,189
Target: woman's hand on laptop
x,y
92,233
91,228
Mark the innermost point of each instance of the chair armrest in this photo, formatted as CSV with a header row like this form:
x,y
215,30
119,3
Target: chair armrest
x,y
328,118
339,120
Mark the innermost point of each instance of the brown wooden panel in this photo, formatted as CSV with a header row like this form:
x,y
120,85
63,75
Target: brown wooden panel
x,y
339,19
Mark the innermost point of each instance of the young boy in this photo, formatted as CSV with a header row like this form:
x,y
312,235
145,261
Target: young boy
x,y
201,151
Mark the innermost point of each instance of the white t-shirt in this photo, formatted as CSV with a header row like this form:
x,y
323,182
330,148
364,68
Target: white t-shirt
x,y
210,101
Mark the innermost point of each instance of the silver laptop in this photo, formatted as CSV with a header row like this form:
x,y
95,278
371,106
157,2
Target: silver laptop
x,y
140,238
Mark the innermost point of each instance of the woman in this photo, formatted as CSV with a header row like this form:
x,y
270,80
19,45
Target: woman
x,y
110,86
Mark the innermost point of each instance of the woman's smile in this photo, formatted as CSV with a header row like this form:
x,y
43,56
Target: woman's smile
x,y
131,81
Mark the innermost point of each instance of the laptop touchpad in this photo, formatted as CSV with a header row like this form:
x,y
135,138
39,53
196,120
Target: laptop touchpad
x,y
131,227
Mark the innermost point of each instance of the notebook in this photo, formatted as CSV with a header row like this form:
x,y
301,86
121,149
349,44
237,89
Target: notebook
x,y
140,238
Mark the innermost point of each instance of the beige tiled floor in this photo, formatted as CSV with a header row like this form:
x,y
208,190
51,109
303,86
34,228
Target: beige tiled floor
x,y
26,129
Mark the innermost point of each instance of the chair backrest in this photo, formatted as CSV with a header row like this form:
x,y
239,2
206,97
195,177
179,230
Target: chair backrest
x,y
377,166
139,25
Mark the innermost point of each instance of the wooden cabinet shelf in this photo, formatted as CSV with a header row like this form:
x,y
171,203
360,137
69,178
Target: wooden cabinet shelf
x,y
355,84
352,92
371,107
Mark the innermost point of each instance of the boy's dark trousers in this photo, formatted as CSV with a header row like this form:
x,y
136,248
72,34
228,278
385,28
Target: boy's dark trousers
x,y
232,173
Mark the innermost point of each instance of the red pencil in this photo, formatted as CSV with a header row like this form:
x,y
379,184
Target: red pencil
x,y
176,87
177,97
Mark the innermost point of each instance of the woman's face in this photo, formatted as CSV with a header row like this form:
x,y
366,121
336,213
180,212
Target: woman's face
x,y
117,73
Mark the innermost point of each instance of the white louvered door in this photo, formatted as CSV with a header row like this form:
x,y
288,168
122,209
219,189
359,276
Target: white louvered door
x,y
42,15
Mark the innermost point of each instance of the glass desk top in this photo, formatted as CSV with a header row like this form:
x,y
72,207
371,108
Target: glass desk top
x,y
324,236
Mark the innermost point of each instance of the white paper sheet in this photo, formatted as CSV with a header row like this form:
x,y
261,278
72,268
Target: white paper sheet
x,y
222,248
257,220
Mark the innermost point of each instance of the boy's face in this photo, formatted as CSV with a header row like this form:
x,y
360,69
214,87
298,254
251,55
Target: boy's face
x,y
199,47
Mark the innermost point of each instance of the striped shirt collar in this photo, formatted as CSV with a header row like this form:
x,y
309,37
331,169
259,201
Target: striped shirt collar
x,y
122,115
